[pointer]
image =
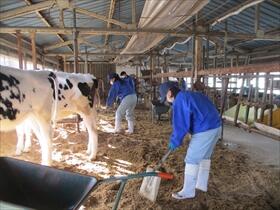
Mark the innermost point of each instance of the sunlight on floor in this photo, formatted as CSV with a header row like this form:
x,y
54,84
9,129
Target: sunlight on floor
x,y
106,126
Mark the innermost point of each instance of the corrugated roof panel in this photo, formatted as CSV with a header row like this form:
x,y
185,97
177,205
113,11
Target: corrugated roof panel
x,y
25,20
6,5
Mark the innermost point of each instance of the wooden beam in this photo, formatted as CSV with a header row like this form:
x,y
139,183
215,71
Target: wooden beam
x,y
34,52
20,50
110,15
26,10
80,41
101,17
47,23
130,32
233,11
94,54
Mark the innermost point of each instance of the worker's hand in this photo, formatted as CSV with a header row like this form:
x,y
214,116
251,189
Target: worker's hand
x,y
171,146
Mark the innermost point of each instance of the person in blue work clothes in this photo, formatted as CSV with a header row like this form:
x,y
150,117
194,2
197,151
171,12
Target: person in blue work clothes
x,y
123,75
194,113
122,89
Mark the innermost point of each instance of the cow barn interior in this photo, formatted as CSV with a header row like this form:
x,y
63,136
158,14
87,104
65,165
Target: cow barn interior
x,y
231,48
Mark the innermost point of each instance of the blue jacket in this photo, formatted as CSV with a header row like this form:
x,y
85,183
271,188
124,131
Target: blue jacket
x,y
130,81
120,89
193,113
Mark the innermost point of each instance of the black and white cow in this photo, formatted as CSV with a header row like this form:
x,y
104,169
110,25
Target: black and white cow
x,y
45,96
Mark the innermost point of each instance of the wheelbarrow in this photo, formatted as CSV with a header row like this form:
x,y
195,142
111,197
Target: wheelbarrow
x,y
35,186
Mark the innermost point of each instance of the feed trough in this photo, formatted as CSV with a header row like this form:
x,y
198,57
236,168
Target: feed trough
x,y
35,186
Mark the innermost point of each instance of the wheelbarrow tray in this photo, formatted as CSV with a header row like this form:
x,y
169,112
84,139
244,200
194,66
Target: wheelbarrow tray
x,y
41,187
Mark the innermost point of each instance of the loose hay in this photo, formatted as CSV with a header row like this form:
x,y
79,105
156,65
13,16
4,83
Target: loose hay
x,y
235,181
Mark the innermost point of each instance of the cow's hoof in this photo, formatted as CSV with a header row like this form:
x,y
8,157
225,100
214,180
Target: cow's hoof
x,y
26,149
88,151
46,163
92,157
18,153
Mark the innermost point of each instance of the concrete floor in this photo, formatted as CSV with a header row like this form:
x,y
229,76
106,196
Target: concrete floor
x,y
259,148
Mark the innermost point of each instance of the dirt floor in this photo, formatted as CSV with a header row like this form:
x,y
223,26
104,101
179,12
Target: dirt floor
x,y
236,182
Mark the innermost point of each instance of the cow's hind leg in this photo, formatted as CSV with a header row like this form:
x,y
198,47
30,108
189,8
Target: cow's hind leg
x,y
45,140
20,139
28,136
90,123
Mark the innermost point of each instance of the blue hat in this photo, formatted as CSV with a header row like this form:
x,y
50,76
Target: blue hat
x,y
164,87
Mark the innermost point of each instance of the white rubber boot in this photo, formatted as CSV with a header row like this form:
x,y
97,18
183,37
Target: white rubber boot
x,y
117,125
190,179
130,127
203,175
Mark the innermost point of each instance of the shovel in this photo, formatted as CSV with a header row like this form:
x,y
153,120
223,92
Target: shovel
x,y
150,185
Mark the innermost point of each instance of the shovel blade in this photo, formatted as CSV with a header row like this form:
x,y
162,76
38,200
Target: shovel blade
x,y
150,186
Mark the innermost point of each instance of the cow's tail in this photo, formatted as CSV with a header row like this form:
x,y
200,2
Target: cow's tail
x,y
55,103
95,94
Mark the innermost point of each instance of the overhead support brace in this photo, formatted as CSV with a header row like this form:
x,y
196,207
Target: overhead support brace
x,y
233,11
101,17
46,22
26,10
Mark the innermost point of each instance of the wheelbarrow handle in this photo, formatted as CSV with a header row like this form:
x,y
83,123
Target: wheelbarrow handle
x,y
163,159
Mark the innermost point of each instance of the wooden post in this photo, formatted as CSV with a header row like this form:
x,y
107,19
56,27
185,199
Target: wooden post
x,y
264,96
75,42
270,115
225,82
248,104
19,48
43,62
25,60
64,64
225,45
215,66
256,97
151,82
207,60
239,101
193,53
137,71
34,52
86,61
198,56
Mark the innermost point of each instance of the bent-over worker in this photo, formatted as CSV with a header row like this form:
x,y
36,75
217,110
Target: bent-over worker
x,y
126,93
194,113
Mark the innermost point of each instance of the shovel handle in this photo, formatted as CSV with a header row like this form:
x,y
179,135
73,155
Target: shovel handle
x,y
162,160
166,176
